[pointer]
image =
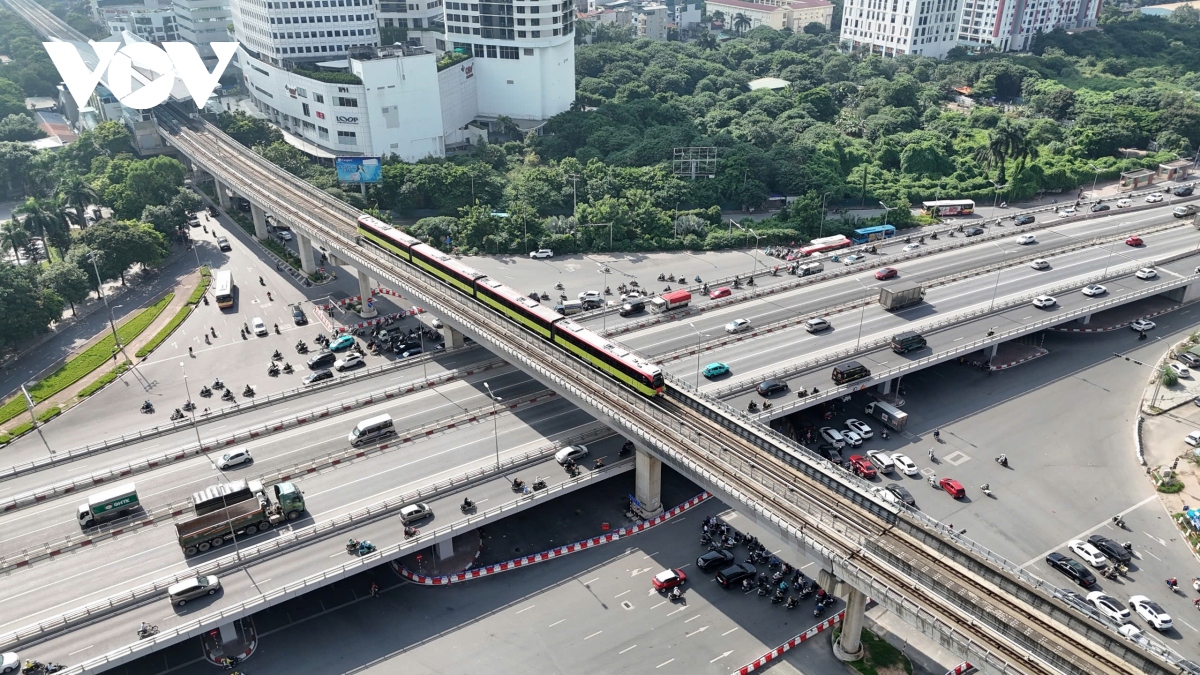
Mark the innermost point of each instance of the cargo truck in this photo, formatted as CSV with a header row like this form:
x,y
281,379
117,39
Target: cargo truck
x,y
108,505
888,414
669,301
214,528
900,295
223,495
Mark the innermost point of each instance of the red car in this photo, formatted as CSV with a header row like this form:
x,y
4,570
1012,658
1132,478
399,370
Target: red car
x,y
1134,241
886,273
668,579
953,488
722,292
862,466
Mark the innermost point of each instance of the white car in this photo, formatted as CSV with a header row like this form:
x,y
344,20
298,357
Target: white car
x,y
1067,212
436,323
833,437
1044,301
1026,239
852,438
347,361
881,461
1192,439
9,662
571,452
1122,203
1154,197
590,296
1108,606
1088,553
1040,264
1151,612
415,512
1142,324
737,326
234,458
860,427
909,248
1180,369
284,236
1146,273
851,259
1093,290
816,325
258,326
541,253
905,465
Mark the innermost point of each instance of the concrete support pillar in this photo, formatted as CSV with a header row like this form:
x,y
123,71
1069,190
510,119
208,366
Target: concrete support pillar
x,y
885,387
222,194
454,339
336,261
228,632
991,351
260,221
648,484
445,549
1085,319
305,248
849,644
364,289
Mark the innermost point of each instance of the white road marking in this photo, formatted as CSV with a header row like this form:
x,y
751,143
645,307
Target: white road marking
x,y
662,664
620,594
1187,624
692,619
591,580
79,650
697,631
526,609
556,623
721,656
647,556
593,635
659,604
681,609
1151,555
1084,535
627,649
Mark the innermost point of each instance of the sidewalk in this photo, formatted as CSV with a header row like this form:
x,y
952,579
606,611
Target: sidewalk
x,y
68,397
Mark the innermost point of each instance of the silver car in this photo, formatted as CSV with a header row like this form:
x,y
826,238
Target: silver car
x,y
414,512
192,588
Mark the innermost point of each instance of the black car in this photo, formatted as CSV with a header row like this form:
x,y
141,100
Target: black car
x,y
1072,568
298,316
591,303
212,211
243,204
1183,191
973,231
771,386
733,575
1096,208
1024,219
901,493
829,452
410,352
713,559
631,308
1111,549
318,376
325,358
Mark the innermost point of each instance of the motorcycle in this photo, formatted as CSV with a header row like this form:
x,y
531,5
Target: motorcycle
x,y
277,356
218,384
677,594
752,407
663,277
261,282
626,449
205,392
277,329
779,596
52,667
189,406
270,298
409,531
32,666
518,485
792,602
467,506
1118,521
302,348
247,392
365,548
287,368
147,407
539,484
227,396
147,631
273,370
177,415
545,296
558,286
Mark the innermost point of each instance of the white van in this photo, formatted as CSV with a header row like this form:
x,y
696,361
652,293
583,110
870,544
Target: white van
x,y
1193,439
371,429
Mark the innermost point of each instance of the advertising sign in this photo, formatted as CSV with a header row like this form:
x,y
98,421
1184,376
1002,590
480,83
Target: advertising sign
x,y
358,169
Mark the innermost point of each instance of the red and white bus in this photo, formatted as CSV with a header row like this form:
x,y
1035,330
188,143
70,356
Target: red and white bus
x,y
825,244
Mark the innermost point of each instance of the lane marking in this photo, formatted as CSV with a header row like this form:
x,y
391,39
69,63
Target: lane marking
x,y
730,631
620,594
80,650
556,623
593,635
1083,535
591,580
662,664
526,609
692,619
627,649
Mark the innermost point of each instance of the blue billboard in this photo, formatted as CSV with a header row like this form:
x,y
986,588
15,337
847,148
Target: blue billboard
x,y
359,169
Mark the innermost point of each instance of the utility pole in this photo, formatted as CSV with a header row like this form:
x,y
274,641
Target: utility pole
x,y
574,178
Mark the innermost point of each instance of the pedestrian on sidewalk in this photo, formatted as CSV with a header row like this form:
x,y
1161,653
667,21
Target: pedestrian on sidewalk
x,y
374,590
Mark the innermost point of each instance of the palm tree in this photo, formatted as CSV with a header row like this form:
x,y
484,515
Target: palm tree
x,y
1023,150
14,236
76,193
45,217
719,17
741,22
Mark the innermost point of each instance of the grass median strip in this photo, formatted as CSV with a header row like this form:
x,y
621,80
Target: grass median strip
x,y
89,360
104,380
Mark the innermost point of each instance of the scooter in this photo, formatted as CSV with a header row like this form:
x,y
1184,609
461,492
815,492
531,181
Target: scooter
x,y
149,630
287,368
218,384
227,396
205,392
247,392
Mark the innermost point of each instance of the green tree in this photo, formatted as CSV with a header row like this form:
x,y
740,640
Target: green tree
x,y
122,244
76,194
1186,15
19,128
44,217
814,28
741,23
13,236
247,130
67,281
26,307
286,156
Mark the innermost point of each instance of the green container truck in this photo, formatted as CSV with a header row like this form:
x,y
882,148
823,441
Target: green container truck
x,y
111,504
216,527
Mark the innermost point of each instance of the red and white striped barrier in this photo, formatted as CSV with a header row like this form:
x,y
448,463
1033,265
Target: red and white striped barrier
x,y
790,644
1110,329
961,669
528,560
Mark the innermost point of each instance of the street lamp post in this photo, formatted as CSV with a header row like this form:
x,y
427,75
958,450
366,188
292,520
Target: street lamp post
x,y
886,210
996,288
604,299
33,418
757,238
996,194
495,422
111,322
1094,180
862,315
698,336
825,214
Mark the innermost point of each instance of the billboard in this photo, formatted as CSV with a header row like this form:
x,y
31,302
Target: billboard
x,y
358,169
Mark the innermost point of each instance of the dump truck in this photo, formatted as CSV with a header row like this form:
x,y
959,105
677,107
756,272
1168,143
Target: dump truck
x,y
223,495
113,503
669,301
888,414
216,527
900,295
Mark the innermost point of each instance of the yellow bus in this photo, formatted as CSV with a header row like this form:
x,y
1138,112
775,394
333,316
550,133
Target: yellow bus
x,y
222,288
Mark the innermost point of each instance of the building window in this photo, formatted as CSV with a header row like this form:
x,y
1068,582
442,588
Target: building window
x,y
521,34
510,53
304,107
491,51
347,138
479,51
345,102
323,133
320,98
528,50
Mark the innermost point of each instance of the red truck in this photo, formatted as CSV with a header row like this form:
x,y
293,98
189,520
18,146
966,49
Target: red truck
x,y
668,301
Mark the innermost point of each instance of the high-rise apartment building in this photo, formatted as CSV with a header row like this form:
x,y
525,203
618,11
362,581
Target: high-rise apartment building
x,y
202,21
413,14
1010,25
895,27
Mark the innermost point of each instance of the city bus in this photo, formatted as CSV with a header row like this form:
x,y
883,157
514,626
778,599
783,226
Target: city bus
x,y
949,207
222,288
866,234
825,244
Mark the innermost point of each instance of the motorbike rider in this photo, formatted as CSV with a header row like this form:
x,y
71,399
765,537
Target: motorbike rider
x,y
467,503
1003,459
144,628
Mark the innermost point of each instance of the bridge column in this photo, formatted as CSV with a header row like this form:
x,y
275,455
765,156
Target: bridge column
x,y
364,290
648,484
454,339
305,248
445,549
222,194
849,644
885,387
260,220
1085,319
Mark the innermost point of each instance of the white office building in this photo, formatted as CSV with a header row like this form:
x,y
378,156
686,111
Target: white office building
x,y
151,25
896,27
202,21
653,21
1009,26
418,15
